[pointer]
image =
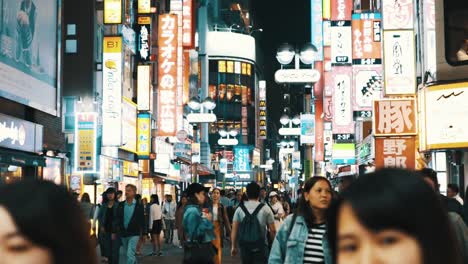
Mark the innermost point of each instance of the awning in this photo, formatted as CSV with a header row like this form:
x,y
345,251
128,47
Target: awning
x,y
21,158
184,160
168,180
204,170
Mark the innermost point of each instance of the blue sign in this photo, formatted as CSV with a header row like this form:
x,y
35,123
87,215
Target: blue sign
x,y
316,28
242,158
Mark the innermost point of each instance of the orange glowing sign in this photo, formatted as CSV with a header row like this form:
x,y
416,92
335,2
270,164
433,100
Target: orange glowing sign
x,y
395,117
398,152
167,75
188,34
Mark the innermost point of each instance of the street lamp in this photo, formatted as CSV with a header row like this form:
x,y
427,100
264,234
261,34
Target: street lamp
x,y
290,125
228,138
307,53
285,54
204,108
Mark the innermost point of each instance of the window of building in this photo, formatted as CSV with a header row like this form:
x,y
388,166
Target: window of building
x,y
439,164
456,32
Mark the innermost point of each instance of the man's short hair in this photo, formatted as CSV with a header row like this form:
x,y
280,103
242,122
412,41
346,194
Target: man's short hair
x,y
222,192
263,189
134,188
430,174
454,187
253,190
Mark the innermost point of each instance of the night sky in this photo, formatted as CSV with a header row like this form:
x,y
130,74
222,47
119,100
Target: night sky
x,y
282,21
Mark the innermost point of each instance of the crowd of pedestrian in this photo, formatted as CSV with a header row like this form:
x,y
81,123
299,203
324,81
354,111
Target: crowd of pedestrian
x,y
389,216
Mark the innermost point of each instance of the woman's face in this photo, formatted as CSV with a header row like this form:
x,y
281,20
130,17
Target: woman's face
x,y
184,201
111,196
358,245
200,197
274,200
319,196
15,248
216,195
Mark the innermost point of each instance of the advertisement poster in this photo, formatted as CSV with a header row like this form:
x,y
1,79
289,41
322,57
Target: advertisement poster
x,y
341,9
144,38
113,11
86,143
75,183
112,92
196,155
395,153
28,52
307,129
296,160
242,159
144,6
344,153
316,29
342,104
167,75
52,171
446,116
129,125
399,62
394,117
341,43
144,90
367,86
144,135
367,39
398,14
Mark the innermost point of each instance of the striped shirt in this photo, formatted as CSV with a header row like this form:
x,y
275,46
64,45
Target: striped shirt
x,y
313,252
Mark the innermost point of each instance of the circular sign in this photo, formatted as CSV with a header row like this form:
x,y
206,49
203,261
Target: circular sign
x,y
181,135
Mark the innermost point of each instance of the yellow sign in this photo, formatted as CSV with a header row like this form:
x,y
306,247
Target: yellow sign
x,y
112,11
85,153
144,20
144,136
144,7
130,169
112,45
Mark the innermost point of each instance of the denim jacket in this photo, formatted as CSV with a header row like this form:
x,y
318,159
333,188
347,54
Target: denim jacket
x,y
197,227
292,250
102,214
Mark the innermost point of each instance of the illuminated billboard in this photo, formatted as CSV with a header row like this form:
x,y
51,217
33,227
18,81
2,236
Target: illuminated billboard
x,y
29,48
144,135
129,125
113,11
86,143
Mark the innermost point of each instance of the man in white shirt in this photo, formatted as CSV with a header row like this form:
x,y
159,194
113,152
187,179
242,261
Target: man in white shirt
x,y
453,192
169,212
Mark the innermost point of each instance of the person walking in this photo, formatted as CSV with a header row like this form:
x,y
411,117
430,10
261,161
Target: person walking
x,y
224,200
221,224
249,227
144,203
110,242
301,239
155,224
87,207
277,208
453,192
284,202
198,249
169,210
131,222
178,222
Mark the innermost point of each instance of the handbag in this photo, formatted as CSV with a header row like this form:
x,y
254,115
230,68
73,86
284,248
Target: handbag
x,y
196,252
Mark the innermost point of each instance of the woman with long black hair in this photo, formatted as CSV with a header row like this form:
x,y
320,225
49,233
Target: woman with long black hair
x,y
301,237
155,224
110,243
391,216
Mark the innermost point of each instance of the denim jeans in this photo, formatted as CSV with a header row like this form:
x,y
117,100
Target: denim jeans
x,y
129,244
169,232
249,257
110,248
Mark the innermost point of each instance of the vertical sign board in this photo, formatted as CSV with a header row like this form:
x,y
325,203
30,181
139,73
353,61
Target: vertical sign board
x,y
245,124
113,12
397,14
429,36
367,38
318,92
342,104
177,9
167,75
399,62
307,128
112,92
395,152
395,117
144,6
86,143
326,4
144,38
341,9
144,90
316,29
188,28
262,116
129,125
196,157
341,43
242,159
144,135
367,86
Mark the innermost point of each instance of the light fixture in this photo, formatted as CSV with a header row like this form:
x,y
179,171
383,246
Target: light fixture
x,y
194,104
233,132
223,132
284,120
292,143
209,104
296,120
285,54
233,26
308,53
284,144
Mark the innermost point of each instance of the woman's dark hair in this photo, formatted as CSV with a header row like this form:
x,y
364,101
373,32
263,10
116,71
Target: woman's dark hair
x,y
154,199
85,198
50,217
399,199
303,207
179,204
253,190
108,191
192,190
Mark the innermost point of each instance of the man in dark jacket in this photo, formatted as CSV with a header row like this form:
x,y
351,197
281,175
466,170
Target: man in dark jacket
x,y
131,222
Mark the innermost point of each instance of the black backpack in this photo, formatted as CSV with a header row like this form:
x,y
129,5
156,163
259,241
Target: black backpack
x,y
250,231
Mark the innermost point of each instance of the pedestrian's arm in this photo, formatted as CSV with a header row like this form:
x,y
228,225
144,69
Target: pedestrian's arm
x,y
227,223
150,224
141,219
235,228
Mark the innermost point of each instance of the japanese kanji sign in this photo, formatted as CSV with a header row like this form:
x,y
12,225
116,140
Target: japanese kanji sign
x,y
367,86
399,62
398,14
262,107
188,34
367,38
395,117
341,43
395,152
341,9
167,75
342,104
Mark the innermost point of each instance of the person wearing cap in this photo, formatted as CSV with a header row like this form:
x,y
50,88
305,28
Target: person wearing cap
x,y
198,227
277,208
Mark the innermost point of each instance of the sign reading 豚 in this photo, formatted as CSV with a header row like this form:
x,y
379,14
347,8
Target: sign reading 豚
x,y
395,117
19,134
112,92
